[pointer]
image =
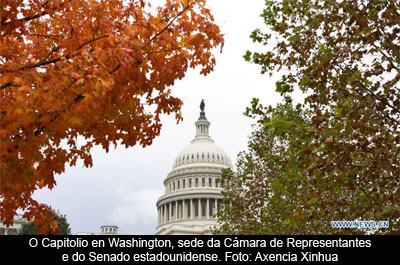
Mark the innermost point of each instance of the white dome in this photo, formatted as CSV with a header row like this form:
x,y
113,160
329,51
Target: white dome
x,y
202,151
192,190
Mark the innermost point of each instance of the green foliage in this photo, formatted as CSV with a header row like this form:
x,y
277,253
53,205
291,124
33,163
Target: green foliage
x,y
336,156
63,225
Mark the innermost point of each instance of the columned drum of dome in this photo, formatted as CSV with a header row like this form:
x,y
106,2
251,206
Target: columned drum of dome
x,y
192,194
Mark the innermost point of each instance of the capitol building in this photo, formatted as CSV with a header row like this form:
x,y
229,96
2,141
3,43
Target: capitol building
x,y
192,194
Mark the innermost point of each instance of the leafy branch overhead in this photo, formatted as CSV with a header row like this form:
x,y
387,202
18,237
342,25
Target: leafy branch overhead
x,y
338,50
88,69
336,155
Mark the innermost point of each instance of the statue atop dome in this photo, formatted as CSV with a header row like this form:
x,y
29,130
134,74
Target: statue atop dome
x,y
202,105
202,113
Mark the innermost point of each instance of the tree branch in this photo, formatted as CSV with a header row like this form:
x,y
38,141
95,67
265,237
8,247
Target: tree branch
x,y
37,15
363,97
372,94
390,118
167,50
92,40
48,55
387,58
375,105
173,19
44,62
8,85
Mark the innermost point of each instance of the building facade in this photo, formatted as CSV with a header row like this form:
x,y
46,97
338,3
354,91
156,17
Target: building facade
x,y
104,230
14,229
192,194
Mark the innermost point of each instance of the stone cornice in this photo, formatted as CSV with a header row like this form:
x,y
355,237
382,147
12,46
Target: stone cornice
x,y
195,170
203,194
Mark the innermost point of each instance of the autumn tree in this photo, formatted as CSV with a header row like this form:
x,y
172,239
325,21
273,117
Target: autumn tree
x,y
31,229
75,74
265,191
337,155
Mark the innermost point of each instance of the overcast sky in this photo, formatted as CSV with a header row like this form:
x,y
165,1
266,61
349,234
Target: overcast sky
x,y
123,185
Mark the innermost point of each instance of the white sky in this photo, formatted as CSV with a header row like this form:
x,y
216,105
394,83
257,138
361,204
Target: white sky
x,y
123,185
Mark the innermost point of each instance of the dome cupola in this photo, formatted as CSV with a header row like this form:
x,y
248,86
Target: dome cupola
x,y
202,148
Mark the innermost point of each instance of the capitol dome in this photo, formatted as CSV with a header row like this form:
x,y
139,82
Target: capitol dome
x,y
192,194
202,150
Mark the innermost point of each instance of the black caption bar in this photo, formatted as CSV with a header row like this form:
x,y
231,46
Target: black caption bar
x,y
211,249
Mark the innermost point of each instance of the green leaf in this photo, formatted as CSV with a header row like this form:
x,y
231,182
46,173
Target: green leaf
x,y
247,56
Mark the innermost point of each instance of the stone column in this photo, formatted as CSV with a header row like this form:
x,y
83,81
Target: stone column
x,y
208,208
183,210
166,214
170,212
158,215
191,209
213,209
176,211
163,214
199,209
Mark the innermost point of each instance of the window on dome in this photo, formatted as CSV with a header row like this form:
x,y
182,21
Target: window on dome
x,y
197,155
213,156
203,182
208,155
192,156
209,182
202,155
183,184
187,158
173,186
216,183
217,156
179,184
197,182
190,183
